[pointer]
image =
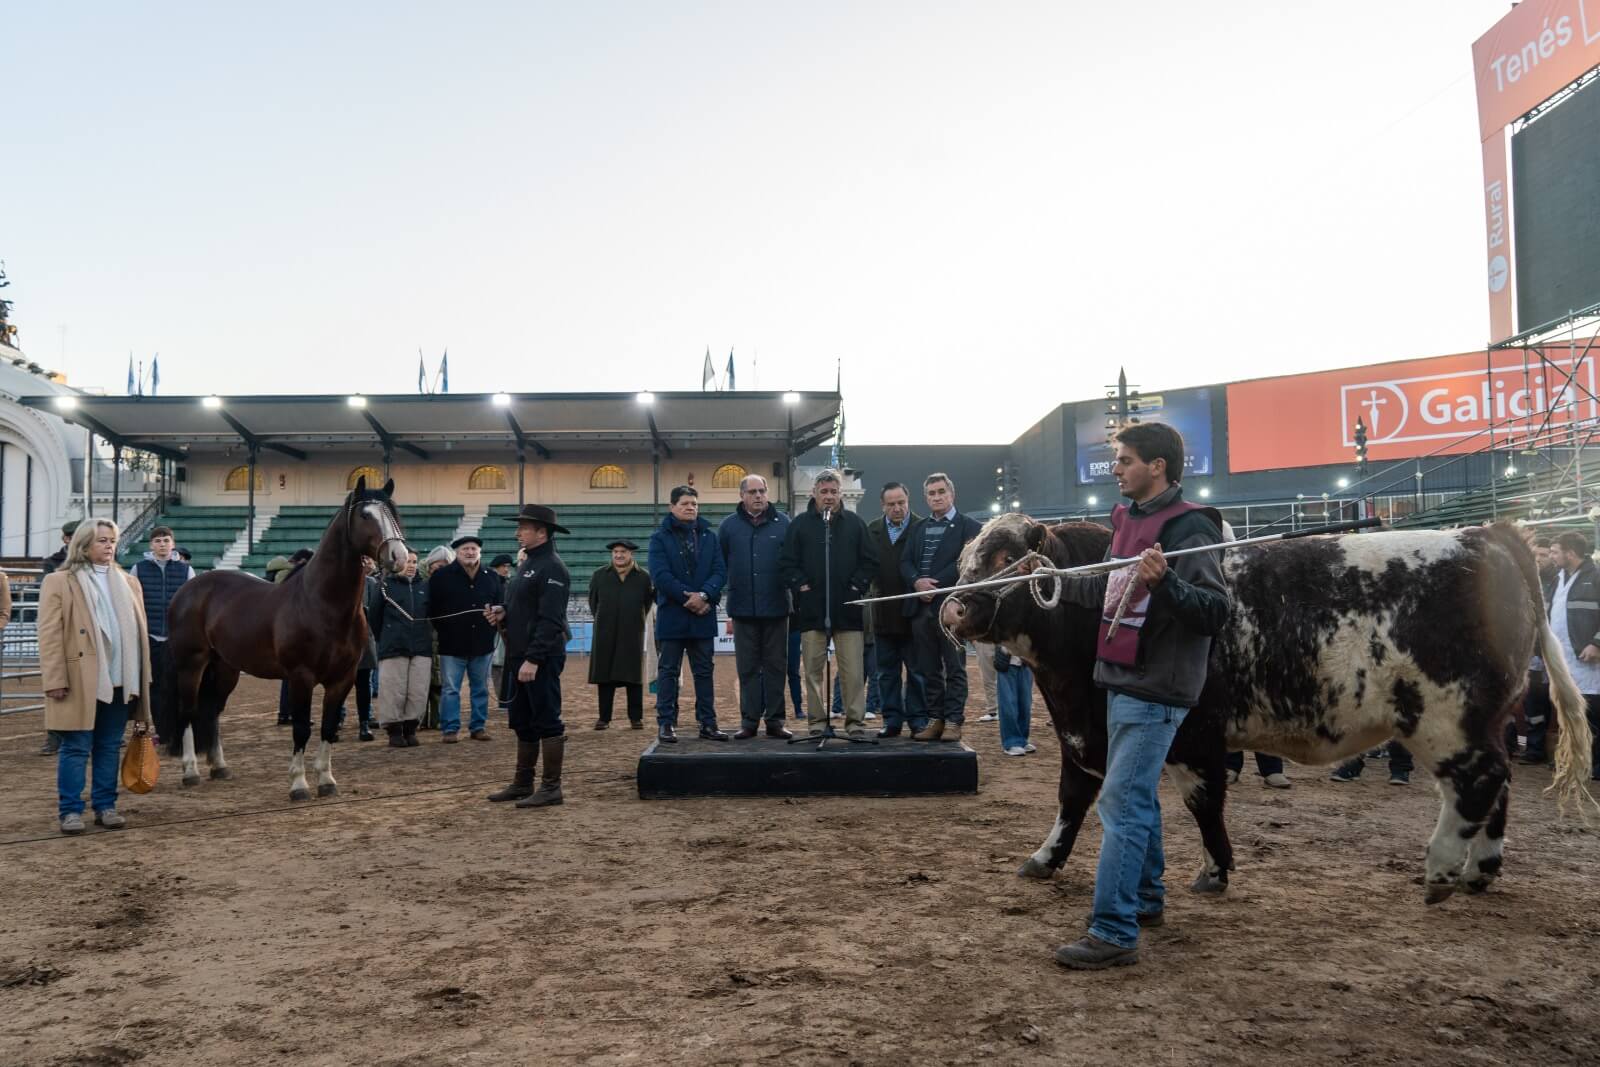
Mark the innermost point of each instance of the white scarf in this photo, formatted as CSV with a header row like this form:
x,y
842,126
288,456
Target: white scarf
x,y
117,635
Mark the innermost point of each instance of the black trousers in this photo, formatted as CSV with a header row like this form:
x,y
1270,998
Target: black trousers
x,y
608,693
163,690
1537,709
761,656
942,664
536,706
1265,764
364,693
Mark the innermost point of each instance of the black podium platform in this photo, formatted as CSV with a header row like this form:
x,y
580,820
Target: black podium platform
x,y
895,766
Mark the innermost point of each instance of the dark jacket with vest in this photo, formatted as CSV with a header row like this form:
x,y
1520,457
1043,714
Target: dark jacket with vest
x,y
1189,606
451,590
1583,605
371,603
620,606
755,588
817,553
536,608
686,558
160,582
397,635
944,567
889,620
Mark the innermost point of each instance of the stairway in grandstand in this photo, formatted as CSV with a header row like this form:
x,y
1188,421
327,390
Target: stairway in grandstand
x,y
301,526
592,525
1532,497
206,532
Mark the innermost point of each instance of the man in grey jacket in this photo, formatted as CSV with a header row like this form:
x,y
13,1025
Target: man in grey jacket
x,y
1156,628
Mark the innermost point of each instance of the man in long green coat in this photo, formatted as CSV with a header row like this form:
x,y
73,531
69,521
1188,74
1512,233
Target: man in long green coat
x,y
620,596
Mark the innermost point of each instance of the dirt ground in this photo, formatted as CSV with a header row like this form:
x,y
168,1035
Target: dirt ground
x,y
228,927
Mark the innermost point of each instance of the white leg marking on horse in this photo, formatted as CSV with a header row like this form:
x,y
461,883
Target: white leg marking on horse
x,y
191,768
324,765
297,775
1447,849
214,755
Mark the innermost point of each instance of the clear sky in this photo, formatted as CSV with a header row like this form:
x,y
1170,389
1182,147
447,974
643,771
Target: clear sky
x,y
981,209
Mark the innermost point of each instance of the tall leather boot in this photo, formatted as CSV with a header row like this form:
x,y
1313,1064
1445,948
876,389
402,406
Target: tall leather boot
x,y
411,733
549,791
522,782
397,736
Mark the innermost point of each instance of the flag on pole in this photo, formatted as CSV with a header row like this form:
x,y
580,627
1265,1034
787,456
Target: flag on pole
x,y
444,372
728,383
422,373
709,375
155,374
131,386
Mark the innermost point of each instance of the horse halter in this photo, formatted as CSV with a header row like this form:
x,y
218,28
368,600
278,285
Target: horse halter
x,y
388,525
1045,602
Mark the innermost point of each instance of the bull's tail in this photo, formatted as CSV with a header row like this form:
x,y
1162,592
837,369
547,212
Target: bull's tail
x,y
1571,782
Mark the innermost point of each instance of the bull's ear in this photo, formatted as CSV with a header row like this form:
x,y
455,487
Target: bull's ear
x,y
1035,535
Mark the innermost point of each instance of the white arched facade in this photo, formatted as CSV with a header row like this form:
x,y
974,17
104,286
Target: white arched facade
x,y
37,463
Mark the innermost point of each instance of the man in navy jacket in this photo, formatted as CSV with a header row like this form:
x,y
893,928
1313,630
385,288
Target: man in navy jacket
x,y
757,602
688,571
161,574
932,561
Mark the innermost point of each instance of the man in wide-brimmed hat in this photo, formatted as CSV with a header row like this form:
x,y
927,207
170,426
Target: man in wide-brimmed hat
x,y
466,641
533,615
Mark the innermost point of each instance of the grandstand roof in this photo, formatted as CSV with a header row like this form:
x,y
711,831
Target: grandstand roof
x,y
545,423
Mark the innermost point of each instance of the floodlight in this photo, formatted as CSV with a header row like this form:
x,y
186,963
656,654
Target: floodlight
x,y
646,398
357,401
502,400
791,398
66,403
212,401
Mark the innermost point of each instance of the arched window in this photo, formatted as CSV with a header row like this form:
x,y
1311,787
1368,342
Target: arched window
x,y
608,476
239,480
373,476
728,476
487,477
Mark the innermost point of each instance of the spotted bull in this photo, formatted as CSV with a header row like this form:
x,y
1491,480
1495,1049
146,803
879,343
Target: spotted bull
x,y
1336,644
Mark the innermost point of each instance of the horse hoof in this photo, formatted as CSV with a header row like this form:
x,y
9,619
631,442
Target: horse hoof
x,y
1438,893
1210,885
328,789
221,774
1032,868
191,780
299,794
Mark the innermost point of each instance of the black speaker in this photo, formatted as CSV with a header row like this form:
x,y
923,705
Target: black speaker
x,y
777,470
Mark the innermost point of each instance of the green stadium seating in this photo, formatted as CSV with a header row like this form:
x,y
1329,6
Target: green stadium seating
x,y
206,532
302,526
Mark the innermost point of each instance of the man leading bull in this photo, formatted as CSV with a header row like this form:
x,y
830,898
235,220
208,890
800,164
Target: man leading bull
x,y
1155,639
534,619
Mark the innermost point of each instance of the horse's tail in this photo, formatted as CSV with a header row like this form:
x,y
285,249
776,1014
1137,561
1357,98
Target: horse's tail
x,y
199,716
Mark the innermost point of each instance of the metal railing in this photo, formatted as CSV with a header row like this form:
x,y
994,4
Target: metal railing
x,y
19,648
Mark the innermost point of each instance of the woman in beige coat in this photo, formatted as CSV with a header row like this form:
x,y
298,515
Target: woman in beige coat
x,y
94,659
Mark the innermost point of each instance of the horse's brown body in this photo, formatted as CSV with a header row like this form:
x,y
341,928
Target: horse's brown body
x,y
308,630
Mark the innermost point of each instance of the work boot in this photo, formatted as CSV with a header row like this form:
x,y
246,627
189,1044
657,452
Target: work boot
x,y
1089,953
410,732
549,791
397,736
522,782
934,731
952,732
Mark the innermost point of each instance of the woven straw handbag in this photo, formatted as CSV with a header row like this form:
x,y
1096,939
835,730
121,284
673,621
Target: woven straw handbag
x,y
141,766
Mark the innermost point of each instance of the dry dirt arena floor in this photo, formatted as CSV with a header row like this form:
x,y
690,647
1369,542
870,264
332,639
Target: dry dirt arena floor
x,y
410,922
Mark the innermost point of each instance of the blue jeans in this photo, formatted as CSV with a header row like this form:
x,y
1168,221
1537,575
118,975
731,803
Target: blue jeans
x,y
668,662
1128,879
100,748
1014,692
902,704
476,671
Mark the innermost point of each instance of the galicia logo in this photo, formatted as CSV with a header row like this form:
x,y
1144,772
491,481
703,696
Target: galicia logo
x,y
1498,273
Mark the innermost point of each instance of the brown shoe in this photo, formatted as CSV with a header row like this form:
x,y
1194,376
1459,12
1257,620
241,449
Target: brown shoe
x,y
952,732
932,732
481,735
450,739
775,729
745,733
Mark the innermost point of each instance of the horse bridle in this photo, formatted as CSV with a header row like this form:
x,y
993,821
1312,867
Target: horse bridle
x,y
388,525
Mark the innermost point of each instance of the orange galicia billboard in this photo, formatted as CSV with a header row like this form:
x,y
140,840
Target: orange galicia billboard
x,y
1416,407
1527,57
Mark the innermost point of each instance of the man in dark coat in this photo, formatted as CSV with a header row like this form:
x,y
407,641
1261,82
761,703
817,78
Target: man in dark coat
x,y
1572,601
688,570
891,629
466,641
534,619
829,560
758,603
620,595
932,561
161,574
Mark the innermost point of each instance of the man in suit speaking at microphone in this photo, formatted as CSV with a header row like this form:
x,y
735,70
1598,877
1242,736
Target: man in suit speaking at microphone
x,y
828,560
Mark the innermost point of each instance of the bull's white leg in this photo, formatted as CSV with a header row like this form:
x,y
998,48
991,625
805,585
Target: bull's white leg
x,y
326,786
191,768
1038,864
214,757
298,790
1447,849
1191,786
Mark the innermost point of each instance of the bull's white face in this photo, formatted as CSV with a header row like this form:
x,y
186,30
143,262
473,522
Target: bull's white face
x,y
1001,542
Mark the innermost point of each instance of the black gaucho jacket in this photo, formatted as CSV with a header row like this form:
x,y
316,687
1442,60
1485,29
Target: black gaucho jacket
x,y
536,608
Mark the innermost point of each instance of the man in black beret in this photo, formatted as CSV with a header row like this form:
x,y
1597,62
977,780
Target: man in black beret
x,y
457,594
620,595
533,616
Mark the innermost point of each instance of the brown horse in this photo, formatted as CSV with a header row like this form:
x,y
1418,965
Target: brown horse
x,y
308,630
